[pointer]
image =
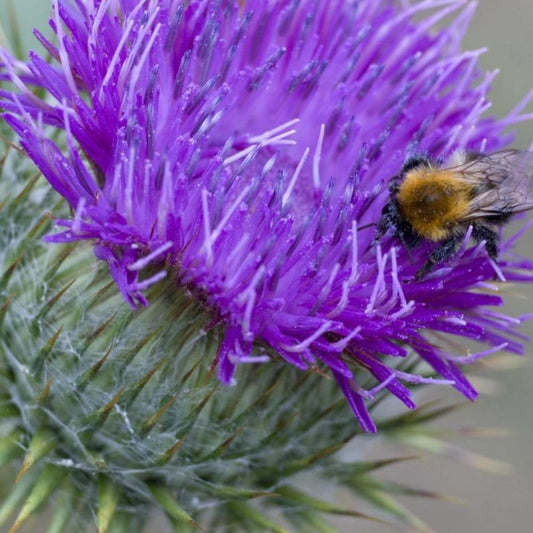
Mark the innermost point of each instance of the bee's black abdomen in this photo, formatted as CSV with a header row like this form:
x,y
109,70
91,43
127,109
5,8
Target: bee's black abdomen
x,y
481,232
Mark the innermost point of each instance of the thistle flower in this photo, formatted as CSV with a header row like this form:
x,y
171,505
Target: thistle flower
x,y
241,150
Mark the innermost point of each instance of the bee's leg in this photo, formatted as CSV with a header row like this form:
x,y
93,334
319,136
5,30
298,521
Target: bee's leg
x,y
387,221
389,217
487,234
438,255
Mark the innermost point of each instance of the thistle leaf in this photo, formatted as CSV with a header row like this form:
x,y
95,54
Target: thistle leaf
x,y
40,445
108,498
10,446
172,508
295,497
43,487
15,497
64,509
253,519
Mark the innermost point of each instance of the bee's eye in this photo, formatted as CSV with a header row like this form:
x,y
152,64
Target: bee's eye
x,y
387,208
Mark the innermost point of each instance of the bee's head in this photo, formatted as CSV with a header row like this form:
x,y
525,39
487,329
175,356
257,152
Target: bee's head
x,y
391,207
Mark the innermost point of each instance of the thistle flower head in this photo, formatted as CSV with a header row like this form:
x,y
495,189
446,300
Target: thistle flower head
x,y
242,148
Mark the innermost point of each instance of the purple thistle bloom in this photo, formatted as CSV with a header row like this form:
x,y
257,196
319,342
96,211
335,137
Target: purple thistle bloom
x,y
245,147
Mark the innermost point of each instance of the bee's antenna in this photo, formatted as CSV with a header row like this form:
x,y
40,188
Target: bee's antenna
x,y
366,226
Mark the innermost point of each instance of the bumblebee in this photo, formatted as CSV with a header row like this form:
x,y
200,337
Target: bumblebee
x,y
438,202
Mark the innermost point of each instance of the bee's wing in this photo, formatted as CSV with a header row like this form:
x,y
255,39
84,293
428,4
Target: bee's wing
x,y
503,180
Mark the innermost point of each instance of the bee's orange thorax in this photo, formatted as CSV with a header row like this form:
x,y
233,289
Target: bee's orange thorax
x,y
433,201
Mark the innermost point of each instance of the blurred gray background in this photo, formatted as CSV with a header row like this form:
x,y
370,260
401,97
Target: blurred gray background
x,y
493,502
